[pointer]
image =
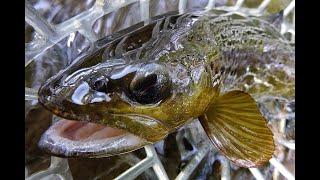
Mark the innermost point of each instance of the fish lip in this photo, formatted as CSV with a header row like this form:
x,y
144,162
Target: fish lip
x,y
59,146
100,113
64,151
55,144
57,111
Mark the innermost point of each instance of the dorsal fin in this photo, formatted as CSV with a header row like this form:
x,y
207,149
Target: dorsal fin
x,y
276,19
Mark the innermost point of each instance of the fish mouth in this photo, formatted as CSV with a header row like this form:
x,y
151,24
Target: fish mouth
x,y
93,131
87,134
104,113
68,138
91,127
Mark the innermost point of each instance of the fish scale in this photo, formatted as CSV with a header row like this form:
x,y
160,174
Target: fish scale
x,y
186,69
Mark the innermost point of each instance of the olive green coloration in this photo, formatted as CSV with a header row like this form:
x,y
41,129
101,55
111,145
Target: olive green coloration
x,y
152,87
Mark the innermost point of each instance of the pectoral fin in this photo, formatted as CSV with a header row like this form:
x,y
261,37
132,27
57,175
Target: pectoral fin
x,y
236,127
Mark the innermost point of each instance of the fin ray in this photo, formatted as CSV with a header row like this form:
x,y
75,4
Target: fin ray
x,y
233,147
238,142
235,126
246,136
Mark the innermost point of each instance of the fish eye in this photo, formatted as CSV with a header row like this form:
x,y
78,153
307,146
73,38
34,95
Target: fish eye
x,y
150,87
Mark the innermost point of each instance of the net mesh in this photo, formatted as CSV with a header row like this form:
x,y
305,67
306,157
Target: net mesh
x,y
56,39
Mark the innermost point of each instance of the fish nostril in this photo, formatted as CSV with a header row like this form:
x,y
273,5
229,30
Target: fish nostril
x,y
100,85
187,144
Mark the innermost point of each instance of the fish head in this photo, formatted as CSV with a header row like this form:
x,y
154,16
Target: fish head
x,y
144,100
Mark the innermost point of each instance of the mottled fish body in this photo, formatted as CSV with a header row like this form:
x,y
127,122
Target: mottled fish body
x,y
140,86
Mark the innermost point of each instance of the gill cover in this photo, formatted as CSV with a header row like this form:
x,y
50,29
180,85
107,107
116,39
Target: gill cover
x,y
235,126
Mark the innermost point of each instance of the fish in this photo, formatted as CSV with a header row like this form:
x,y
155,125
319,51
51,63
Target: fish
x,y
149,80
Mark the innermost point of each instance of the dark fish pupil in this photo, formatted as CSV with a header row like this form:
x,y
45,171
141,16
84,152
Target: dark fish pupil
x,y
144,85
150,89
145,90
150,84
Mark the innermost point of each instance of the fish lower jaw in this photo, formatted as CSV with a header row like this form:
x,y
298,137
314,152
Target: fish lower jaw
x,y
68,138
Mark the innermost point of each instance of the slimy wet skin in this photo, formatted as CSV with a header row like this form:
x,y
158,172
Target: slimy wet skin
x,y
139,91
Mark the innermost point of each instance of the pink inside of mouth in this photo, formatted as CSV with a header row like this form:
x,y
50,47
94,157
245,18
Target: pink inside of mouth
x,y
67,138
77,131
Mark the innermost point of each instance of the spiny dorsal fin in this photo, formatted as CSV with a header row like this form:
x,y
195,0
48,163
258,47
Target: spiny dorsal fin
x,y
235,126
276,19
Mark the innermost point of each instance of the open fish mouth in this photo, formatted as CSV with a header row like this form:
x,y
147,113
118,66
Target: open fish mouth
x,y
92,130
68,138
91,134
91,125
